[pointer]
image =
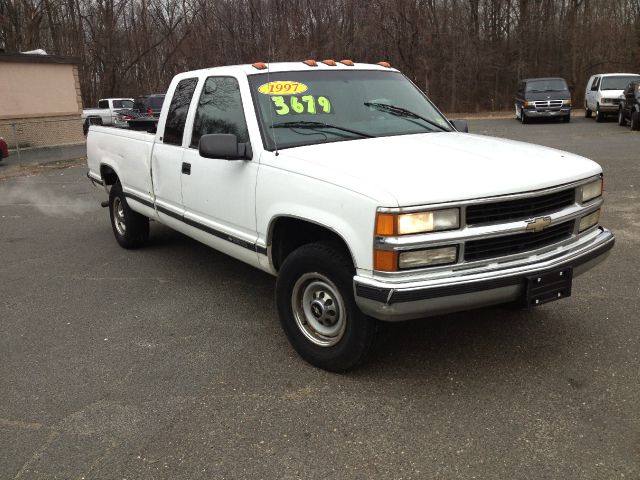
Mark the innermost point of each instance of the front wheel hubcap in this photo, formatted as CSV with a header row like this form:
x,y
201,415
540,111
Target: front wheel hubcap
x,y
118,216
319,309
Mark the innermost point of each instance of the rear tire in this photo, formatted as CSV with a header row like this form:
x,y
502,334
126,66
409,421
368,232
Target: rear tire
x,y
130,228
635,121
599,114
317,308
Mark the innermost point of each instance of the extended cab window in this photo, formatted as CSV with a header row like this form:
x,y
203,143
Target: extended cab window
x,y
103,104
220,110
177,114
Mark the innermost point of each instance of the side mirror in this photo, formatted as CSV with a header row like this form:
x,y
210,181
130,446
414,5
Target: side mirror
x,y
224,145
460,125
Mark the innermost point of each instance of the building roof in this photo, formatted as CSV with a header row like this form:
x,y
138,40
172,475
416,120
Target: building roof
x,y
35,58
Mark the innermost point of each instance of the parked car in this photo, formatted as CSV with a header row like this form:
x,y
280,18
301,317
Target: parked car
x,y
4,149
629,110
106,113
350,186
145,112
603,91
543,98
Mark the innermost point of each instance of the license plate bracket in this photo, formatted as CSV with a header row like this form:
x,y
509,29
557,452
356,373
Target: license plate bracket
x,y
549,286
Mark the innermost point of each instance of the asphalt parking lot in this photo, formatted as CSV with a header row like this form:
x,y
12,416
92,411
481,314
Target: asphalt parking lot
x,y
169,362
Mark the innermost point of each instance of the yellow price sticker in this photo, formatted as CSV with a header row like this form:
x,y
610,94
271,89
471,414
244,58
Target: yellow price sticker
x,y
282,87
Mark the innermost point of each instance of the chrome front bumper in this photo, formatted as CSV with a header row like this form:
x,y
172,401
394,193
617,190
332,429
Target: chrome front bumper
x,y
550,113
393,301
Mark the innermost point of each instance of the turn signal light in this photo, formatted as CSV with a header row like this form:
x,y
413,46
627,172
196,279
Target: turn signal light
x,y
259,65
310,63
348,63
331,63
385,260
384,64
386,224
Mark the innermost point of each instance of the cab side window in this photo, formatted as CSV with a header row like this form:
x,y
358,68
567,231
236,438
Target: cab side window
x,y
220,110
596,83
177,114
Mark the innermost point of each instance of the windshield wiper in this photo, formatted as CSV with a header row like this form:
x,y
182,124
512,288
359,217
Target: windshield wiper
x,y
316,125
402,112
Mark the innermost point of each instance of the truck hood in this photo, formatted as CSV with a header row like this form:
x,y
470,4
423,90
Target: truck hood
x,y
437,167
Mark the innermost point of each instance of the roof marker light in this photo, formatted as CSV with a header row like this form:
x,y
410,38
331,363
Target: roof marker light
x,y
259,65
384,64
348,63
311,63
331,63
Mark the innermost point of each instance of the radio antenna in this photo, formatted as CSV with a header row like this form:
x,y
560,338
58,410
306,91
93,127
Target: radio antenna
x,y
269,53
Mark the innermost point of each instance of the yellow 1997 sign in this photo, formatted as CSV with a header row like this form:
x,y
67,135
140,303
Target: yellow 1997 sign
x,y
282,87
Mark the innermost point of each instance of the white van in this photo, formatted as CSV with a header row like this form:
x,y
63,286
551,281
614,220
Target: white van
x,y
603,91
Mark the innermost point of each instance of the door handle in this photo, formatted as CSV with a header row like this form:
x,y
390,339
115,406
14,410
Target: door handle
x,y
186,168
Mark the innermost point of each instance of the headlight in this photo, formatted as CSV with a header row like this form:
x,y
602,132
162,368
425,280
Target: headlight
x,y
589,221
566,103
529,103
591,190
428,258
389,224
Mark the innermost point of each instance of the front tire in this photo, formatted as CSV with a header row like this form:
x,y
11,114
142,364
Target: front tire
x,y
621,120
523,117
130,228
635,121
587,112
317,308
566,118
599,114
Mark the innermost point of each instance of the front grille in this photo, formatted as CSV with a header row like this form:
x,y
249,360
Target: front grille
x,y
521,209
548,104
518,243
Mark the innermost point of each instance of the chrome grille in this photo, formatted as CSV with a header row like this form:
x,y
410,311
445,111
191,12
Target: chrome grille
x,y
548,104
521,209
518,243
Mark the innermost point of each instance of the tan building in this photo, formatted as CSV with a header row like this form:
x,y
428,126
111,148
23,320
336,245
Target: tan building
x,y
40,102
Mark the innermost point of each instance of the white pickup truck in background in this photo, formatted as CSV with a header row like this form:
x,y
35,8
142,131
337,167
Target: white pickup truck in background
x,y
107,112
346,182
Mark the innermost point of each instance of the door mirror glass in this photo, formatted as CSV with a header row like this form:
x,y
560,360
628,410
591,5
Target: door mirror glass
x,y
224,146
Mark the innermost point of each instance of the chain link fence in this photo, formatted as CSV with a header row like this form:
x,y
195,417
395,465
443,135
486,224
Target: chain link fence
x,y
62,136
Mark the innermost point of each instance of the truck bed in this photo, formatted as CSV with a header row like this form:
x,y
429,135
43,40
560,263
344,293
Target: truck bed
x,y
128,152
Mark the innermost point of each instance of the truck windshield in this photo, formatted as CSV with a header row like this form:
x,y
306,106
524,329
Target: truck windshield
x,y
547,85
306,108
617,82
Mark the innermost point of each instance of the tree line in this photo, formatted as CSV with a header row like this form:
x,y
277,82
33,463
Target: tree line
x,y
466,54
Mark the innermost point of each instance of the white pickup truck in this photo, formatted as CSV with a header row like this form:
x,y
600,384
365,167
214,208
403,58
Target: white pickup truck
x,y
106,114
346,182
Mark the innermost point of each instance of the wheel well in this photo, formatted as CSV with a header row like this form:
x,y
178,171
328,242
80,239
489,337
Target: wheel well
x,y
108,174
287,234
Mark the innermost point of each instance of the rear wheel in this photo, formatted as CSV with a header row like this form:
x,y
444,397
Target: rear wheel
x,y
317,308
130,228
599,114
635,121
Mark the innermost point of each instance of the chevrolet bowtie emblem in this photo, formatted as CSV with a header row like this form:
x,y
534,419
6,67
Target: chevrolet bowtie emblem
x,y
538,224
